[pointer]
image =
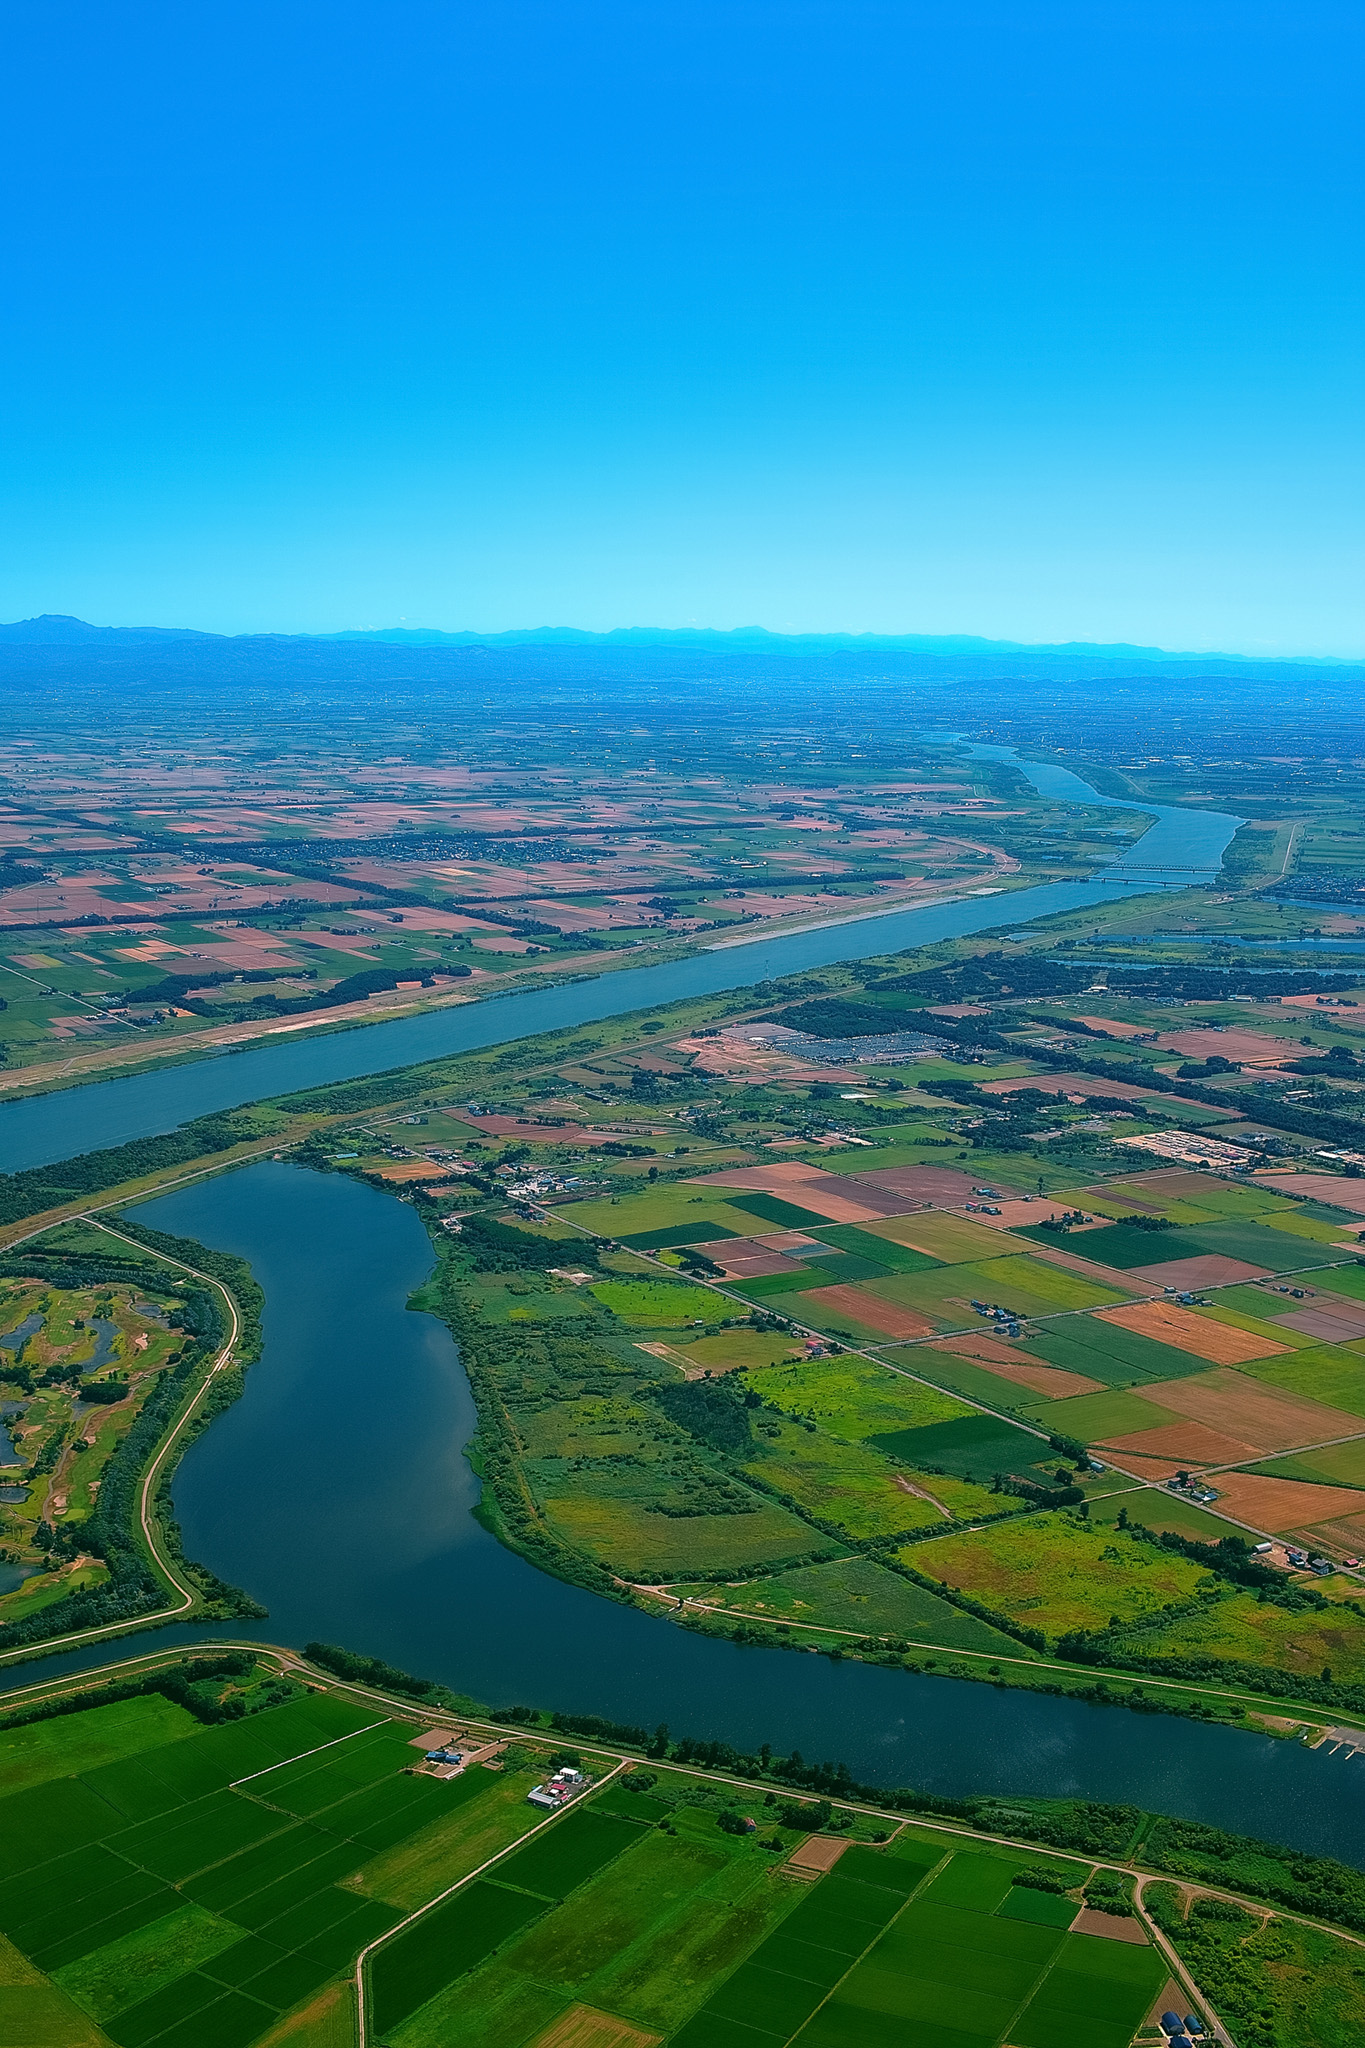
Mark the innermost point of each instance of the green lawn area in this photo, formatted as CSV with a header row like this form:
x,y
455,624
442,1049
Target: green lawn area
x,y
649,1304
1056,1573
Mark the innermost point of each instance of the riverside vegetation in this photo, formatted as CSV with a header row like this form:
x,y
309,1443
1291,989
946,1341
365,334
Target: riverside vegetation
x,y
102,1344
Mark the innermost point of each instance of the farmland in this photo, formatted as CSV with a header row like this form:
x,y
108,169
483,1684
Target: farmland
x,y
217,1882
738,1303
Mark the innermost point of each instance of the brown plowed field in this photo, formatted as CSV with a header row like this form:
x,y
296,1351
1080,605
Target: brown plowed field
x,y
1206,1269
1254,1048
832,1195
867,1309
581,2027
772,1180
739,1255
1336,1321
817,1852
1220,1343
1280,1504
1186,1443
1256,1414
1347,1530
1321,1187
1048,1380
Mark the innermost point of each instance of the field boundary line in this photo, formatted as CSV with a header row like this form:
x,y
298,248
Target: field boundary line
x,y
363,1958
251,1776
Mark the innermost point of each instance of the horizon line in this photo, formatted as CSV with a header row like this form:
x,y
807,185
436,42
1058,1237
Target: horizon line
x,y
48,628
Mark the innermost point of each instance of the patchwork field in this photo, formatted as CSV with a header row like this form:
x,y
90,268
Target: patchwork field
x,y
170,1908
1185,1329
1058,1574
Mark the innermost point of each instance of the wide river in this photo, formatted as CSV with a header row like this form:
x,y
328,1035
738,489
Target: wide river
x,y
1180,847
336,1491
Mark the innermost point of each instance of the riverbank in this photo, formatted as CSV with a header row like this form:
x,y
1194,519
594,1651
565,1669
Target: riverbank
x,y
335,1492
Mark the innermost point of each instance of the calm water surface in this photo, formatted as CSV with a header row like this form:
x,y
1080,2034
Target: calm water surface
x,y
336,1493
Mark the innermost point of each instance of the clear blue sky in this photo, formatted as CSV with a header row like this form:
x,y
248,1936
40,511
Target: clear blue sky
x,y
1036,320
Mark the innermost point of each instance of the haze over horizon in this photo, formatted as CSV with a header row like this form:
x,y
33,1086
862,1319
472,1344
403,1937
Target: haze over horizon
x,y
1038,328
64,628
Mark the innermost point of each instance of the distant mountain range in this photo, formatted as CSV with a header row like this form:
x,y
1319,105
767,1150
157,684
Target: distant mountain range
x,y
56,629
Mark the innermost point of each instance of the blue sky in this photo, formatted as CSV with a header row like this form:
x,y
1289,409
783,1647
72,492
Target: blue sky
x,y
1036,320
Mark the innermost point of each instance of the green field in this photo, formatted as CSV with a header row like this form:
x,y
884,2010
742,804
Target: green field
x,y
1106,1351
648,1304
1334,1464
850,1485
1056,1573
1025,1286
632,1538
954,1240
875,1955
973,1447
854,1593
1088,1417
168,1906
896,1258
851,1397
1239,1628
1331,1373
101,1735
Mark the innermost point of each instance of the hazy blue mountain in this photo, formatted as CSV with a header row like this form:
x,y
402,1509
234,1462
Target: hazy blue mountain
x,y
60,629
